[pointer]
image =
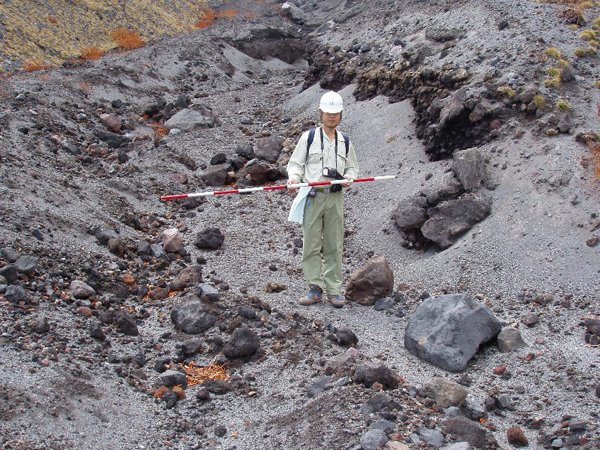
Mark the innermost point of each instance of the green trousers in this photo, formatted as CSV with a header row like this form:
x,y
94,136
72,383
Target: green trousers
x,y
323,229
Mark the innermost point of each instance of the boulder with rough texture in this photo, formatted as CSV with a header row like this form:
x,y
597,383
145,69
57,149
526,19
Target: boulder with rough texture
x,y
216,176
244,342
510,340
370,373
187,277
445,392
468,166
188,120
448,330
370,283
192,317
450,220
209,238
269,148
411,212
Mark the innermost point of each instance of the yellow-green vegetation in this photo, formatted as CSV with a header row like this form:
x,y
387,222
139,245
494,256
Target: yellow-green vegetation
x,y
587,35
50,32
553,79
507,90
539,101
578,4
597,84
581,52
553,52
563,105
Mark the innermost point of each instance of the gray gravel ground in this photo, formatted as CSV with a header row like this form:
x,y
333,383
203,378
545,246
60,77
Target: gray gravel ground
x,y
534,242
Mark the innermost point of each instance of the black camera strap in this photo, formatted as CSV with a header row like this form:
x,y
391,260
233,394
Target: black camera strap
x,y
323,148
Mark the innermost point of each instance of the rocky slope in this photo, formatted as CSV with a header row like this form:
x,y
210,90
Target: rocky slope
x,y
94,292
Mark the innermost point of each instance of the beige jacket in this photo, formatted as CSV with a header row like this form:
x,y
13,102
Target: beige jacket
x,y
310,170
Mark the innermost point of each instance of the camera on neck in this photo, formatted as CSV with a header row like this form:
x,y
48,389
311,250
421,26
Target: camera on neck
x,y
330,172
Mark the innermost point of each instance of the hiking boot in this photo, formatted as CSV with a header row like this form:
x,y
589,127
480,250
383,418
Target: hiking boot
x,y
336,301
315,294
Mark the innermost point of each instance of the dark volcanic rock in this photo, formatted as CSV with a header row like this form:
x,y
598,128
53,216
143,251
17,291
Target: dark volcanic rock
x,y
244,342
448,330
192,316
370,373
209,238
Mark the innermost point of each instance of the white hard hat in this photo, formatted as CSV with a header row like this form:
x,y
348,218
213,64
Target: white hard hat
x,y
331,102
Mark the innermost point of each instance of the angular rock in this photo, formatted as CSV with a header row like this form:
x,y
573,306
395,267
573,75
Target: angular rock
x,y
466,430
192,346
469,168
113,140
10,273
171,378
218,387
126,323
190,276
448,330
258,173
188,120
208,293
376,403
14,294
111,122
433,438
269,148
95,329
10,254
373,440
369,373
445,393
411,213
370,283
26,264
216,176
319,386
449,220
172,240
244,342
510,340
209,238
346,338
192,317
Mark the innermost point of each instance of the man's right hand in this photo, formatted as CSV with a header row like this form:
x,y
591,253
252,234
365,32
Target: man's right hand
x,y
292,181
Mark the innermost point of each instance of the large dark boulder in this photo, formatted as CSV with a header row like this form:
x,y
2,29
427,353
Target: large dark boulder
x,y
450,220
411,212
448,330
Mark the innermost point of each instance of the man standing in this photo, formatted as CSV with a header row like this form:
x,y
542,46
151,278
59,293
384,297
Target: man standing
x,y
323,154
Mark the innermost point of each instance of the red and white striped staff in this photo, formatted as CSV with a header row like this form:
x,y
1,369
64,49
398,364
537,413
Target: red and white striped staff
x,y
272,188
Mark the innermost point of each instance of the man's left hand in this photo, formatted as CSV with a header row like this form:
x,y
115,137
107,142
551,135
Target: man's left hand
x,y
346,185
